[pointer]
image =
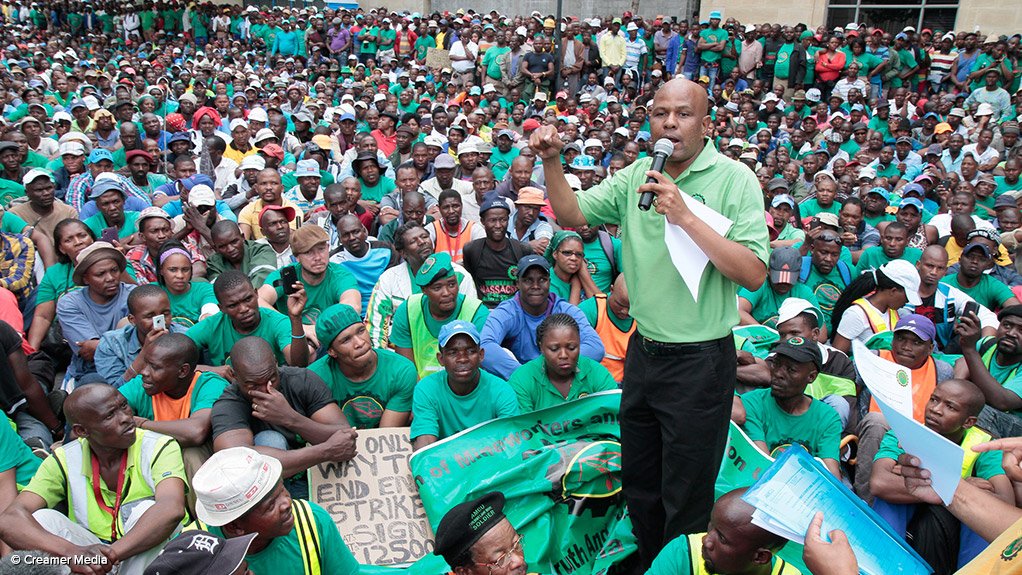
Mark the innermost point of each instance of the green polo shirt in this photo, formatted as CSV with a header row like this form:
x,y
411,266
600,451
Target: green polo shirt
x,y
217,336
725,185
989,292
534,390
363,402
186,308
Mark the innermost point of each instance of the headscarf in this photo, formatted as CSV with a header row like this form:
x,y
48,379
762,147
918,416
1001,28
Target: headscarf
x,y
175,122
206,111
557,240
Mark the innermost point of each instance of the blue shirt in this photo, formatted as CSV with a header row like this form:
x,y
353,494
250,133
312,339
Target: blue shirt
x,y
511,329
173,209
117,349
131,204
82,319
367,270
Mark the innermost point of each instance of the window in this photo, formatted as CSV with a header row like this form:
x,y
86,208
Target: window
x,y
893,15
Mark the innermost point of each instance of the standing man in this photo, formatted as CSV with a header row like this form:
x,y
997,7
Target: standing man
x,y
683,356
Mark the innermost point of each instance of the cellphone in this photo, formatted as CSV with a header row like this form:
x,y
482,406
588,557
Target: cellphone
x,y
109,235
159,322
289,277
971,307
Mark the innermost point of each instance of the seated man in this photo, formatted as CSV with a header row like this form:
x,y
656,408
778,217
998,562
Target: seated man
x,y
835,382
324,282
121,509
972,278
733,545
911,347
234,252
109,196
784,414
169,396
373,386
476,534
608,314
287,413
240,495
451,232
418,320
893,246
760,306
366,260
509,336
395,285
241,316
951,412
461,395
86,314
492,258
119,354
992,363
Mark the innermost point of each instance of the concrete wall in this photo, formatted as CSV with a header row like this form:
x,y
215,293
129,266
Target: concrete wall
x,y
991,16
810,12
581,9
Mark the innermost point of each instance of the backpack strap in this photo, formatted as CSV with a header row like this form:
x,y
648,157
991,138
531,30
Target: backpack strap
x,y
608,250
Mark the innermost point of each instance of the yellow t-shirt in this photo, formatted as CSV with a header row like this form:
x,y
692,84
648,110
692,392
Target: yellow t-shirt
x,y
250,215
999,558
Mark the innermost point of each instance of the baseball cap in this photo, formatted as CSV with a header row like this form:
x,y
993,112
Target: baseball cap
x,y
201,553
977,246
231,482
868,173
913,202
793,307
444,162
307,168
801,350
530,261
333,320
904,274
105,185
100,154
782,199
73,148
436,267
458,327
238,123
491,202
828,219
913,188
882,192
201,195
151,212
264,134
920,325
34,174
785,265
288,212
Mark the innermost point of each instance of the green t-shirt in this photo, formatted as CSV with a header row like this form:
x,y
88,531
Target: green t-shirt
x,y
710,35
422,44
10,190
336,281
1003,185
490,61
534,390
598,264
369,46
676,559
382,188
790,232
987,465
14,454
283,556
765,301
726,186
873,221
437,411
1009,376
810,208
818,429
500,162
389,388
874,257
56,282
990,292
186,308
208,388
827,289
97,224
387,34
217,336
866,62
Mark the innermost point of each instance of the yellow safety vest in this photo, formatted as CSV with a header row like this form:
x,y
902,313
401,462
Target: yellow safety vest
x,y
877,322
425,345
305,529
973,436
698,567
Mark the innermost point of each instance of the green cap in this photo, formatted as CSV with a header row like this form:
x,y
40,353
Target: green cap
x,y
437,266
333,320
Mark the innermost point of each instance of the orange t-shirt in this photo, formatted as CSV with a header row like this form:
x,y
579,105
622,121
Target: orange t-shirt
x,y
166,408
924,381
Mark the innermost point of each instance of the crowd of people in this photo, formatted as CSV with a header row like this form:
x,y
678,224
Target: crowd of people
x,y
232,236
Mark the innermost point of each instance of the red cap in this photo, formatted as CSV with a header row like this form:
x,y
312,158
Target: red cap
x,y
273,150
288,212
530,124
561,94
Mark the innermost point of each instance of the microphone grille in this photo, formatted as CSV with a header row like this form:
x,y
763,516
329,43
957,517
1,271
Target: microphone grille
x,y
663,146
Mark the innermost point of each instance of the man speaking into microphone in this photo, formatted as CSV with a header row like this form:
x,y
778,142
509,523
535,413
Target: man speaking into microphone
x,y
679,374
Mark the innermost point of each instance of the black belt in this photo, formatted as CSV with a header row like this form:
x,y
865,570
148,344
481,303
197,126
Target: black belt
x,y
655,348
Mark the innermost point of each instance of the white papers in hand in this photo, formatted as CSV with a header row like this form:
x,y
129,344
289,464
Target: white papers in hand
x,y
688,259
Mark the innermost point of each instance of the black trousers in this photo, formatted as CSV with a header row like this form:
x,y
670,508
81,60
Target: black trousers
x,y
675,409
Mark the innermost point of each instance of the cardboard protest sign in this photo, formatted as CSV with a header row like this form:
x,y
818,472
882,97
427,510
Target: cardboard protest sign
x,y
374,501
438,58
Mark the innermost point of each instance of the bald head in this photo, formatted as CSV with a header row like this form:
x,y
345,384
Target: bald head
x,y
735,512
935,253
966,393
177,346
85,403
681,89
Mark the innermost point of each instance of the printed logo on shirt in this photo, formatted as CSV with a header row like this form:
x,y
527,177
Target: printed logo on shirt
x,y
1012,550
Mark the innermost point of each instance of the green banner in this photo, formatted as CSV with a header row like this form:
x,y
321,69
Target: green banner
x,y
560,470
743,462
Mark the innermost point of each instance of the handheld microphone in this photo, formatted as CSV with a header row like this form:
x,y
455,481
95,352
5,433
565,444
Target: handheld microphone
x,y
661,151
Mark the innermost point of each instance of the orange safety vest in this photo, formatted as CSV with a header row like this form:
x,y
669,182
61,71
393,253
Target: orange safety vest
x,y
924,381
452,245
877,321
615,341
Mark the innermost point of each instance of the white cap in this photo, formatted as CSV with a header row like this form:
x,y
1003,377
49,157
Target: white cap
x,y
201,195
770,97
592,143
813,94
867,173
253,162
467,148
62,116
489,88
264,134
631,26
91,103
904,274
306,168
379,98
793,307
736,142
984,109
232,482
35,173
258,115
573,181
750,28
623,131
74,148
434,141
238,122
